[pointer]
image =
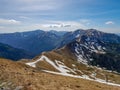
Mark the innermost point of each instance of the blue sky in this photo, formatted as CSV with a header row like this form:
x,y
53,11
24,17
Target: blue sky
x,y
26,15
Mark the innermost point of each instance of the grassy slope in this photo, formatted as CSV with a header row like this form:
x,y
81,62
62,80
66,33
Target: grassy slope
x,y
65,56
16,74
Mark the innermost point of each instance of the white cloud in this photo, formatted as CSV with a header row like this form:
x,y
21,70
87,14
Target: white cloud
x,y
66,23
52,25
9,21
56,25
44,25
21,7
85,21
37,8
38,5
59,25
109,22
1,27
24,17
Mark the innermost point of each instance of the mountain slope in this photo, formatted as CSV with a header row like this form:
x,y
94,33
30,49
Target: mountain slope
x,y
9,52
83,57
61,63
93,51
105,37
94,47
18,76
39,41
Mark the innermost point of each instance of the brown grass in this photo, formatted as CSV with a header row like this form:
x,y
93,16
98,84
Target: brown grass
x,y
87,70
31,79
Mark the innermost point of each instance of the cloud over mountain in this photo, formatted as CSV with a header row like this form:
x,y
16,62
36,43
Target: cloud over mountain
x,y
9,21
109,22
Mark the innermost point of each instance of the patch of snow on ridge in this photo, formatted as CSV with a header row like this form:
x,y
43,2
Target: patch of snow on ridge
x,y
62,68
81,59
76,50
78,35
33,64
59,65
83,77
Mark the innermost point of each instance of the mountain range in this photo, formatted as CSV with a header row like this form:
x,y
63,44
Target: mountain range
x,y
89,55
38,41
33,41
87,46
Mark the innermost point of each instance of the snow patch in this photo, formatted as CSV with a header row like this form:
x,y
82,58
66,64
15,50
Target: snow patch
x,y
81,59
60,66
77,36
73,65
83,77
33,64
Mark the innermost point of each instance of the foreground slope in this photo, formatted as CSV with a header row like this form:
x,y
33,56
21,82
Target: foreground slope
x,y
60,63
18,76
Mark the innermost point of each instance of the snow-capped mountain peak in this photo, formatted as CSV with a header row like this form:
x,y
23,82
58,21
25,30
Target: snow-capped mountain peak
x,y
84,46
